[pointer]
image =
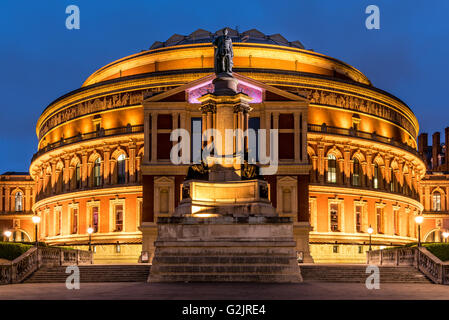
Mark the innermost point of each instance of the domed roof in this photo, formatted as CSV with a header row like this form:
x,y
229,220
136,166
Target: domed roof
x,y
204,36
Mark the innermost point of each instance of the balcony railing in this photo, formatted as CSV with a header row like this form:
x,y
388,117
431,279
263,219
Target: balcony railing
x,y
401,190
90,135
360,134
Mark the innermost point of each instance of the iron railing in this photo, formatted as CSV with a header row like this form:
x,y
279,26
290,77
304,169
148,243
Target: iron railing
x,y
90,135
360,134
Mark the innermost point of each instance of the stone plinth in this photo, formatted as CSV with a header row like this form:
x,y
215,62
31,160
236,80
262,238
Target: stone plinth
x,y
234,198
225,249
225,85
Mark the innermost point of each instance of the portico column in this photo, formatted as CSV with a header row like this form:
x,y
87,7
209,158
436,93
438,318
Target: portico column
x,y
147,132
66,175
106,166
296,140
84,169
132,162
7,198
153,137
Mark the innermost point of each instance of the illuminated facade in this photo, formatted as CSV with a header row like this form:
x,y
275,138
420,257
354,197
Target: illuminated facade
x,y
16,201
435,187
361,147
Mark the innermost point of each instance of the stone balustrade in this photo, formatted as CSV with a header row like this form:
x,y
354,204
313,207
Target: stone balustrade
x,y
421,258
23,266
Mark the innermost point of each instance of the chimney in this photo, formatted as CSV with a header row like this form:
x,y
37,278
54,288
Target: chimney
x,y
422,143
435,149
422,148
446,156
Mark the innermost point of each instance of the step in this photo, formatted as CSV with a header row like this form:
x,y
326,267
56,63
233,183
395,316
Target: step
x,y
223,260
263,269
351,273
93,273
241,277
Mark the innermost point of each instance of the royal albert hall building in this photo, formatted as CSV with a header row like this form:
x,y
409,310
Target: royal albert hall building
x,y
361,145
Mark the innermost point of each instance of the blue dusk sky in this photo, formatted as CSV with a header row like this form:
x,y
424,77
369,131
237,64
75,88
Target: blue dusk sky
x,y
42,60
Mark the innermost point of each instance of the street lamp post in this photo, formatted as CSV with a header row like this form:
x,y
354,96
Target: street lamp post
x,y
370,231
419,220
7,234
90,230
36,219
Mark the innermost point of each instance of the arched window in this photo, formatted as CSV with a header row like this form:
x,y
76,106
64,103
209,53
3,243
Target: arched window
x,y
393,182
19,201
331,169
78,175
436,203
97,172
376,176
121,169
356,173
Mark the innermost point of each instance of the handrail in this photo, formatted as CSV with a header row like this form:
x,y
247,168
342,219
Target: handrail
x,y
29,262
421,258
360,134
89,135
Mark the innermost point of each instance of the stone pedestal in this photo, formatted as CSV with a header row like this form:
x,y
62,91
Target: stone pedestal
x,y
225,228
225,249
301,235
225,85
149,235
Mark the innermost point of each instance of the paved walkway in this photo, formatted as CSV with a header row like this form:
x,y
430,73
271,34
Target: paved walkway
x,y
224,291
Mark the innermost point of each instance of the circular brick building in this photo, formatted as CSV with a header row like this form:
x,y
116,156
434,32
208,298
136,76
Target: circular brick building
x,y
360,147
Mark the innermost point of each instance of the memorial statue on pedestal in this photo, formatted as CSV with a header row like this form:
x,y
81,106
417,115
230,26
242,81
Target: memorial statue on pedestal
x,y
223,54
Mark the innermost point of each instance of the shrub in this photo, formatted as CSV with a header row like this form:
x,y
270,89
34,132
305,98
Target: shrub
x,y
11,250
440,250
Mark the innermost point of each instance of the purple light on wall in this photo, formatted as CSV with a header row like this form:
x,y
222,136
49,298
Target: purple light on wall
x,y
207,87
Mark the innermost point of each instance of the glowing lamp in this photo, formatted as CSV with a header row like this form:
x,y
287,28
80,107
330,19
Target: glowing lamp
x,y
36,219
205,215
445,234
419,219
90,230
370,230
7,233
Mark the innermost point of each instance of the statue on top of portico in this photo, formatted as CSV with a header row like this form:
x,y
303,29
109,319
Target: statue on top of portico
x,y
223,54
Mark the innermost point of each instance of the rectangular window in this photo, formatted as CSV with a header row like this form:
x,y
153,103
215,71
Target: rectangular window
x,y
164,146
396,221
254,123
286,136
164,121
358,218
380,219
436,203
47,223
286,121
119,217
59,222
195,141
334,217
286,145
95,219
58,225
74,220
331,169
335,249
376,176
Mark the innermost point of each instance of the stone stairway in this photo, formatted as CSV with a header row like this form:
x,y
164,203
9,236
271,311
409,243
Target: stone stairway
x,y
93,273
357,273
224,265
